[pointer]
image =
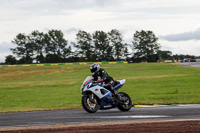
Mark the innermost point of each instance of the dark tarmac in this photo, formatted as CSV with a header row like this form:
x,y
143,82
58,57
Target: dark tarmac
x,y
192,64
34,118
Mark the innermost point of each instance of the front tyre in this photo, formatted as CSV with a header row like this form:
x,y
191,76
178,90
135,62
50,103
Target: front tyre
x,y
125,102
91,106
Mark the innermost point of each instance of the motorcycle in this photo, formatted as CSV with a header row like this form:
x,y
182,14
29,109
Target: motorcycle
x,y
96,97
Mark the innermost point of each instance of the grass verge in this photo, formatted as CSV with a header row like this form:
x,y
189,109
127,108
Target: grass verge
x,y
58,87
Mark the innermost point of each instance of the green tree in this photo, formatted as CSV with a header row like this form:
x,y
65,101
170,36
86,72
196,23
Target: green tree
x,y
109,54
56,46
24,49
38,40
126,52
10,60
84,45
145,46
49,47
115,38
102,47
166,55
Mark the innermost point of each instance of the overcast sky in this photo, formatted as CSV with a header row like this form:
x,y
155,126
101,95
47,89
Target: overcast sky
x,y
175,22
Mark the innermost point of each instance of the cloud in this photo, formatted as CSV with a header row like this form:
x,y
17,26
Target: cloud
x,y
5,50
71,30
5,47
193,35
190,47
56,5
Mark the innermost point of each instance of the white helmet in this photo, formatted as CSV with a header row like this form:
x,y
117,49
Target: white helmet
x,y
94,68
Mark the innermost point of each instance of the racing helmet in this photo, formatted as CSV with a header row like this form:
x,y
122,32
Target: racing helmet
x,y
94,68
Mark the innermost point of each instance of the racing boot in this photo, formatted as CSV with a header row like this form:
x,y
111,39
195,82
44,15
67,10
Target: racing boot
x,y
118,97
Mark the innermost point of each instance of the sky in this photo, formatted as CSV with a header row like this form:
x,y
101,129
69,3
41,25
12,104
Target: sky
x,y
175,22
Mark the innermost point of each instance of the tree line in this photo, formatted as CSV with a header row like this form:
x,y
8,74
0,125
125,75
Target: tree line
x,y
52,47
41,47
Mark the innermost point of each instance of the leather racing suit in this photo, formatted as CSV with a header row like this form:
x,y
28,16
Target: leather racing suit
x,y
102,76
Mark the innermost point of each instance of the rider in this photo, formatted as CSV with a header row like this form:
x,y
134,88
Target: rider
x,y
100,75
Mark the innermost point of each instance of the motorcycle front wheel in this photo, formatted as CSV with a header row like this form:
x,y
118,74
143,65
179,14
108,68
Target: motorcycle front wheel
x,y
125,102
91,106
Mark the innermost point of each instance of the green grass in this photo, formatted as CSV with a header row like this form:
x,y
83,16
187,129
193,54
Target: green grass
x,y
58,87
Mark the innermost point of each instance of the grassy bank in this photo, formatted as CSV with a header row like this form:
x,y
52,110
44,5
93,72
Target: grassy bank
x,y
58,87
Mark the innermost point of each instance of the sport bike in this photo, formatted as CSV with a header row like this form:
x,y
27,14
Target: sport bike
x,y
95,96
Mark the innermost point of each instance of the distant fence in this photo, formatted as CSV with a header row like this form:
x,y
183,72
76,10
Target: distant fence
x,y
169,61
65,64
197,60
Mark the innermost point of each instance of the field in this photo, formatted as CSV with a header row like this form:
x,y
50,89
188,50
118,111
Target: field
x,y
58,87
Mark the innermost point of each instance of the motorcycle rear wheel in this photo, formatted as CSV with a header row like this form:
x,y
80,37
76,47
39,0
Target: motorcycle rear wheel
x,y
88,105
126,104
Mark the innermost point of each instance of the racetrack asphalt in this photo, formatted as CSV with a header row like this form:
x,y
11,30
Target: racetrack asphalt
x,y
36,118
192,64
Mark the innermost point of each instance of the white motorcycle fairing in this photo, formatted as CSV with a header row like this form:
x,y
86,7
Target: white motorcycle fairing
x,y
95,96
103,94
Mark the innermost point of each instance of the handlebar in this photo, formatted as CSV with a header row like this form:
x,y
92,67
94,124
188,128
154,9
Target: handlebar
x,y
98,83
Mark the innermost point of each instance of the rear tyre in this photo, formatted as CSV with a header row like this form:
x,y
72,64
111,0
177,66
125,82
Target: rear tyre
x,y
88,105
125,102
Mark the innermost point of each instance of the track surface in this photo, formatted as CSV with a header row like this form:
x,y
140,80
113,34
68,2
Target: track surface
x,y
192,64
25,119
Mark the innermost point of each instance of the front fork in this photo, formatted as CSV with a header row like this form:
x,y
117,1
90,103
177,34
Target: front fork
x,y
91,97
